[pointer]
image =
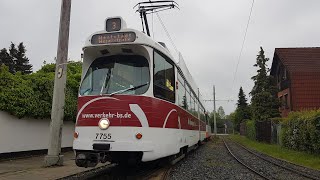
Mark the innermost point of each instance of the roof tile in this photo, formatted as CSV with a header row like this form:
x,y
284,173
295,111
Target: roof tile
x,y
300,59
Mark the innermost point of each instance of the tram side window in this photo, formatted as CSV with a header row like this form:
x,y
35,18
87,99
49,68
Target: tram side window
x,y
187,102
196,108
202,115
164,81
181,93
191,110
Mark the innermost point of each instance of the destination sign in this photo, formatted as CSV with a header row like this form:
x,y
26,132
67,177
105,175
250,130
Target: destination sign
x,y
109,38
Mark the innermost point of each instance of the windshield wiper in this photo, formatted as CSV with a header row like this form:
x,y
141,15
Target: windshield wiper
x,y
86,91
129,89
106,80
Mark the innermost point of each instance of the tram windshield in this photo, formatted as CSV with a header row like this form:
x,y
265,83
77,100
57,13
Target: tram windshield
x,y
118,74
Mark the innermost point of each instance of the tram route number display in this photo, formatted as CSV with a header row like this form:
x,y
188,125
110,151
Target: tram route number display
x,y
103,136
109,38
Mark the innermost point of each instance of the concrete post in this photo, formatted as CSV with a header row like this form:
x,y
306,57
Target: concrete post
x,y
54,157
214,111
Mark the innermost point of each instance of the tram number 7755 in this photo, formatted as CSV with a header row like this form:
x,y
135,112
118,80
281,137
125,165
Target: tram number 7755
x,y
103,135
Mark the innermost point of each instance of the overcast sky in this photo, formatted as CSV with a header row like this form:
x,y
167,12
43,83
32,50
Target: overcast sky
x,y
208,33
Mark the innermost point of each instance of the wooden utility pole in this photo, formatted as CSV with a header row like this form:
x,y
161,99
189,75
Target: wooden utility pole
x,y
54,157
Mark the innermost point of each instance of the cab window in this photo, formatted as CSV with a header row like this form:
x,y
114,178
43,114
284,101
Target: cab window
x,y
164,79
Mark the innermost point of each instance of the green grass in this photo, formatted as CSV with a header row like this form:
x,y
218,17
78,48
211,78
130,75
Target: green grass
x,y
301,158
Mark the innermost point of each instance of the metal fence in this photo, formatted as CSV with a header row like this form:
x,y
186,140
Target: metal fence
x,y
263,131
275,133
243,129
266,131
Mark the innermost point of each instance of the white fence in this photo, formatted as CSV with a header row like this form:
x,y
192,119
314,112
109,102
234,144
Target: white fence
x,y
29,134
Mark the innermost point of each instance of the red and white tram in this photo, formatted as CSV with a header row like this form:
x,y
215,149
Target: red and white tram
x,y
135,102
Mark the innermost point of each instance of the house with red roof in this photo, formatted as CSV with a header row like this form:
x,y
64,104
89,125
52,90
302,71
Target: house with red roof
x,y
297,74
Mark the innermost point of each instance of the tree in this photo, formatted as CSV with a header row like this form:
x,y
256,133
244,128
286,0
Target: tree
x,y
13,53
243,111
221,112
242,101
220,118
184,102
264,103
6,59
21,61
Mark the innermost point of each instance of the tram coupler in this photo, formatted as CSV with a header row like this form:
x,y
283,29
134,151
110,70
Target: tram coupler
x,y
87,159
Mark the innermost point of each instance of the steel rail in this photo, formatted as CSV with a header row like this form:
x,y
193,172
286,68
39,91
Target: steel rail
x,y
91,173
166,174
279,165
242,163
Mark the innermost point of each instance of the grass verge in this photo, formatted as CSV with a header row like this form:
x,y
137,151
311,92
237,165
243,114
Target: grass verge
x,y
297,157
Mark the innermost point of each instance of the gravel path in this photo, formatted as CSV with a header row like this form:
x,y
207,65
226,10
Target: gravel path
x,y
211,161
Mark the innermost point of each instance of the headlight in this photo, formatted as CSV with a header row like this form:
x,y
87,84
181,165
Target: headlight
x,y
104,123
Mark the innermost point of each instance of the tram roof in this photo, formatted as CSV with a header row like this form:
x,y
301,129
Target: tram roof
x,y
143,39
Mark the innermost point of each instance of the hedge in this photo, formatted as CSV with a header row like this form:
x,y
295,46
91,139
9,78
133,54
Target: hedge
x,y
301,131
31,95
251,129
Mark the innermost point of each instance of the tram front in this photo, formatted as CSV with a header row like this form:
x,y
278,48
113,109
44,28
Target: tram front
x,y
116,71
116,107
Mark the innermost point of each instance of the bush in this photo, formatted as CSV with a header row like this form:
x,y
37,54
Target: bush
x,y
31,95
251,129
277,120
301,131
16,93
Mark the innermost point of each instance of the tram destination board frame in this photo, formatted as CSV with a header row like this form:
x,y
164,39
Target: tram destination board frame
x,y
109,38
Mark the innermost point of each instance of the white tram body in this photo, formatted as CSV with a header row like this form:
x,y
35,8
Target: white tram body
x,y
135,102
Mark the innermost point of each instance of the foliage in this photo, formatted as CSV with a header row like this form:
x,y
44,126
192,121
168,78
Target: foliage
x,y
277,120
16,59
7,60
16,95
301,158
301,131
219,120
264,103
243,111
21,61
251,129
242,101
221,112
184,102
31,95
231,116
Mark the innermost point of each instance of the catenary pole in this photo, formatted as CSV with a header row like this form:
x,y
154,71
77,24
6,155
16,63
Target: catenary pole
x,y
214,111
198,100
57,113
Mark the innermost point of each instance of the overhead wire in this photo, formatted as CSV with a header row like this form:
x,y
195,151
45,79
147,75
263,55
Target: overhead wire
x,y
243,42
152,27
165,29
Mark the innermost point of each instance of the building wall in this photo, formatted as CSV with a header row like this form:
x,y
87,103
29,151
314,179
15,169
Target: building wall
x,y
305,89
285,109
29,134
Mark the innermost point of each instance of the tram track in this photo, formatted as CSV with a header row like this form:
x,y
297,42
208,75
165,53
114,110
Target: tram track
x,y
266,168
242,163
114,171
305,174
159,174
